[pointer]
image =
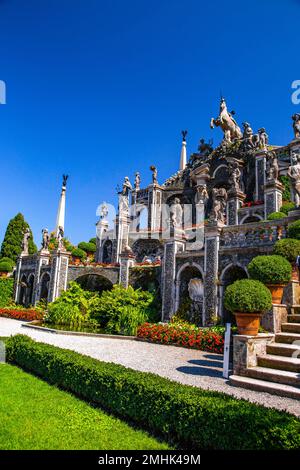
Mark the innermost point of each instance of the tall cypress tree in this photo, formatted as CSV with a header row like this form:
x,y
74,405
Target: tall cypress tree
x,y
12,243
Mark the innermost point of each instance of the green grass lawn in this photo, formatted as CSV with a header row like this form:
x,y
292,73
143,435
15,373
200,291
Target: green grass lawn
x,y
35,415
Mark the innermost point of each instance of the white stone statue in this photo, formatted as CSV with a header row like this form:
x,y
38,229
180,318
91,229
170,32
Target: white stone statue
x,y
59,237
296,125
25,242
137,181
234,176
154,174
195,289
176,214
294,174
103,211
219,199
45,239
202,194
263,138
272,167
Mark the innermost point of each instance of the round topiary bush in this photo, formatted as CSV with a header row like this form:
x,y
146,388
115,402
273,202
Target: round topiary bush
x,y
270,269
247,296
286,207
5,267
294,230
87,247
289,248
276,215
78,253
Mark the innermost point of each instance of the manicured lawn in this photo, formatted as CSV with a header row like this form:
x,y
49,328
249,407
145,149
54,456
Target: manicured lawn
x,y
35,415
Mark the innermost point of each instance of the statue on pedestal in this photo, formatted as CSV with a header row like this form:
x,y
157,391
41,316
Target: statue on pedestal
x,y
294,174
263,138
124,196
227,123
219,198
59,237
25,242
103,211
296,125
204,148
45,239
234,176
176,214
154,174
202,194
137,181
272,167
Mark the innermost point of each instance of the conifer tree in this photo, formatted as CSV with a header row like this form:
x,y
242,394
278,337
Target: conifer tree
x,y
12,243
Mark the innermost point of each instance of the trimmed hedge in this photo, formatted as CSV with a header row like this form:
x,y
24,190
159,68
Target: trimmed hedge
x,y
78,253
276,215
87,247
289,248
197,419
6,291
247,296
294,230
287,207
270,269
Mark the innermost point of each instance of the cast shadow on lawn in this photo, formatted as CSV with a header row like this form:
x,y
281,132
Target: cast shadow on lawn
x,y
210,365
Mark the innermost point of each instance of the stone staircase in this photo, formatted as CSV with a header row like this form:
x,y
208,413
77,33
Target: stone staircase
x,y
277,372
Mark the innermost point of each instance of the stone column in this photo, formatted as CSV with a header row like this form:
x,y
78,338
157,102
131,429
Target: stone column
x,y
211,265
171,248
235,202
273,196
201,177
260,176
127,260
17,279
154,207
122,230
59,273
42,259
102,228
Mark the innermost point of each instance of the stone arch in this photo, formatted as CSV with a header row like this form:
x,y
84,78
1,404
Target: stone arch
x,y
44,286
219,168
185,274
107,251
229,275
94,282
150,248
249,219
112,273
30,286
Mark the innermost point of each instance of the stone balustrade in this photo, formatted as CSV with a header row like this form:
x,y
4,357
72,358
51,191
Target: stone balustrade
x,y
263,233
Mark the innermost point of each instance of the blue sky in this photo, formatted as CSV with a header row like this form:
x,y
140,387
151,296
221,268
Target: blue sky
x,y
100,89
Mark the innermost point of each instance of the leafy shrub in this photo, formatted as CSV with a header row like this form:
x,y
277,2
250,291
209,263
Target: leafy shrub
x,y
286,207
289,248
12,244
5,266
294,230
247,296
113,302
74,306
93,241
6,292
195,418
127,321
87,247
272,269
184,334
182,313
276,215
78,253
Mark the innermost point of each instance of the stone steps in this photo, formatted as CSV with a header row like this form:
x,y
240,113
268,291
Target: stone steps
x,y
290,327
264,386
274,375
287,338
283,349
291,364
294,318
295,309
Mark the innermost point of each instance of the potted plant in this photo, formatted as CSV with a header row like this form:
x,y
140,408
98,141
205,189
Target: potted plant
x,y
289,248
248,300
272,270
78,255
6,266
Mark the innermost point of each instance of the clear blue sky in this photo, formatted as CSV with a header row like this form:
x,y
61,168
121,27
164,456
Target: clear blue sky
x,y
100,89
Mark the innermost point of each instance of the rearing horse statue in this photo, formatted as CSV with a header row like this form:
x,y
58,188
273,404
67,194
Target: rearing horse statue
x,y
228,124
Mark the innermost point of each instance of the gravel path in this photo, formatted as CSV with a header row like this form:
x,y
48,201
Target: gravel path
x,y
186,366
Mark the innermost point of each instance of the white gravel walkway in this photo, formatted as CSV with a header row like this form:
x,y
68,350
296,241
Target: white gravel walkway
x,y
186,366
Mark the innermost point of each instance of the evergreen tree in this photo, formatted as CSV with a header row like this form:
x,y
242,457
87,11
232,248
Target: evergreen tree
x,y
12,243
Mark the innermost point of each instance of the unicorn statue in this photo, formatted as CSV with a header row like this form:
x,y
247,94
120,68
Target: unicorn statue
x,y
228,124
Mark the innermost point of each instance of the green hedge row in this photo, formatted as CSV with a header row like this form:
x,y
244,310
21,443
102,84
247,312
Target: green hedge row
x,y
192,417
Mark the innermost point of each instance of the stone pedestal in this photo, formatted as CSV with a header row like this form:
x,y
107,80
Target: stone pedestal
x,y
59,273
102,228
212,241
171,248
43,259
247,348
122,232
272,320
126,262
273,197
291,293
235,202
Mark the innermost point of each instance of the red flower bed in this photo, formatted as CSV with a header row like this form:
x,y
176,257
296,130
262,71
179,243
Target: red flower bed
x,y
197,338
29,315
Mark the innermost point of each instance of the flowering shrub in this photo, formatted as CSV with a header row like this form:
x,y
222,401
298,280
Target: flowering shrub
x,y
21,314
183,334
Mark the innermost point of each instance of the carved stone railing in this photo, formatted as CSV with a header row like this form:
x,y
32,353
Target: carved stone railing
x,y
264,233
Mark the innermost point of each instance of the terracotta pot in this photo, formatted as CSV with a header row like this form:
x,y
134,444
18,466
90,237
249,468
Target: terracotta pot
x,y
76,261
295,274
3,274
248,323
277,292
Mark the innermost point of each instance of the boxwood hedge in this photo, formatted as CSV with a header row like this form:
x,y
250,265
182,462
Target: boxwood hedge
x,y
270,269
192,417
247,296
